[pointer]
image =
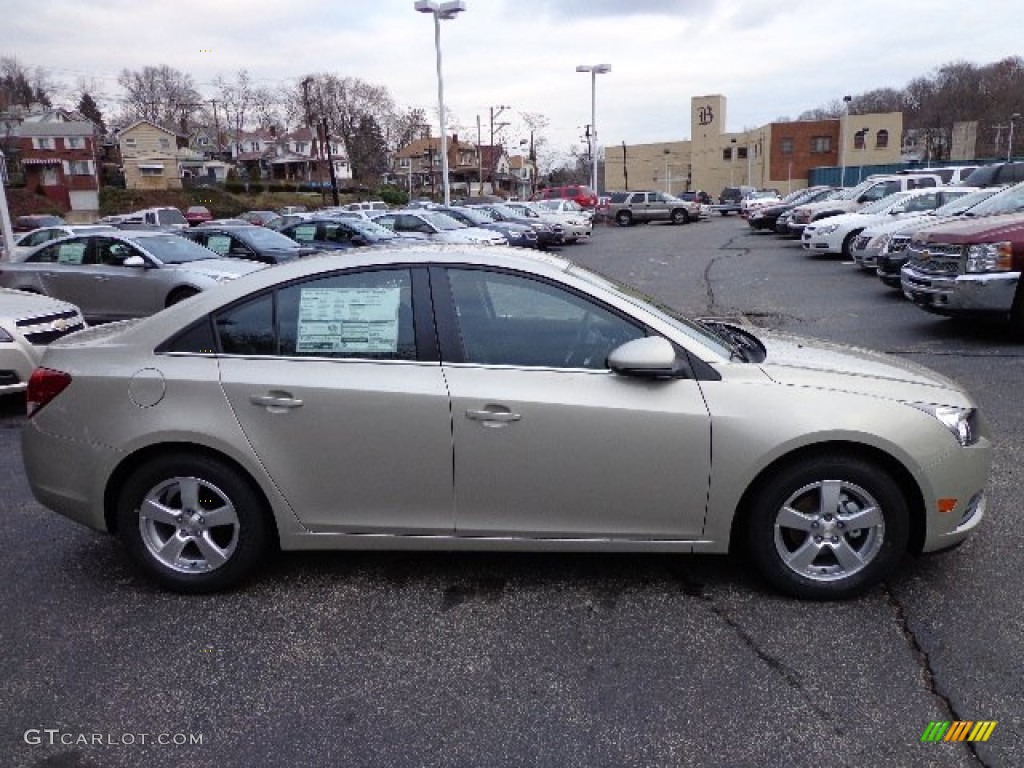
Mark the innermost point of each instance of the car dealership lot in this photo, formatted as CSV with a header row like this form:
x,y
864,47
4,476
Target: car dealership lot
x,y
414,659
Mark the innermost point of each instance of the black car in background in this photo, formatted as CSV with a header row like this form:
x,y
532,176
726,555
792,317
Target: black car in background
x,y
519,235
333,234
767,216
245,241
549,234
35,221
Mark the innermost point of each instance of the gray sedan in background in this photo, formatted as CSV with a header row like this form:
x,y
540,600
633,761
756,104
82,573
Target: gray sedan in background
x,y
118,275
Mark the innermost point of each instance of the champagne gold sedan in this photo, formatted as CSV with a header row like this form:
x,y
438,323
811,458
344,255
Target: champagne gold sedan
x,y
468,398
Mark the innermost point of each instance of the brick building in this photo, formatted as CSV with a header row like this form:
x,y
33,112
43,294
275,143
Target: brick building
x,y
57,152
779,155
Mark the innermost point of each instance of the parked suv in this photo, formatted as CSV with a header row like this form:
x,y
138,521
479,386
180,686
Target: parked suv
x,y
585,196
731,198
628,208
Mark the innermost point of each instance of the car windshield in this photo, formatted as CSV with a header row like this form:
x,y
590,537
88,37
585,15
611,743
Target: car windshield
x,y
371,229
172,249
854,192
475,216
172,216
441,221
690,328
261,237
506,211
964,202
883,205
1009,200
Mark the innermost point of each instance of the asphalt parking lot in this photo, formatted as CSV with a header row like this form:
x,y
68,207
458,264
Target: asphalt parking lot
x,y
407,659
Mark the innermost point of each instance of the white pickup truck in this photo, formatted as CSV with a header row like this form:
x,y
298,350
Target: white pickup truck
x,y
868,191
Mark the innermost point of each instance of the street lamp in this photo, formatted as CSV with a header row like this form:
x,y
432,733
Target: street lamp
x,y
842,139
441,11
1009,149
594,70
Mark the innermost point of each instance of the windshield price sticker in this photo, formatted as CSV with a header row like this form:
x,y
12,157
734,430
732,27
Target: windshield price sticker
x,y
348,320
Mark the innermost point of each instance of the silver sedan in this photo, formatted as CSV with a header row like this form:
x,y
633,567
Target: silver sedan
x,y
118,275
467,398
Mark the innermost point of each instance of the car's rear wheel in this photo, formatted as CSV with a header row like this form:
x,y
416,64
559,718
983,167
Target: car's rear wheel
x,y
624,218
680,217
828,527
194,524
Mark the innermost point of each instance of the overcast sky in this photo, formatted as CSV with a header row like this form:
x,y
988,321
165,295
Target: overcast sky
x,y
771,59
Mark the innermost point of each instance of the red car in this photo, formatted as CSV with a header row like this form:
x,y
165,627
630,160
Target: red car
x,y
197,214
585,196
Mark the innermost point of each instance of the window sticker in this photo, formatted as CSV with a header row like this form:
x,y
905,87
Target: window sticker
x,y
348,320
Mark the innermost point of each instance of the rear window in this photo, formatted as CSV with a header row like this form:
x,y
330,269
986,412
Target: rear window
x,y
618,197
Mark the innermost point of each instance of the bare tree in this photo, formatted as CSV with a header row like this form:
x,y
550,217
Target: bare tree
x,y
163,95
363,115
24,87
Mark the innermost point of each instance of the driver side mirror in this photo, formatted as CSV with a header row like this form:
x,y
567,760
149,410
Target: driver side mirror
x,y
134,261
649,357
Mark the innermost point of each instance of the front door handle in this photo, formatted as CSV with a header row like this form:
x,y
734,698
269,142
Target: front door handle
x,y
276,402
493,418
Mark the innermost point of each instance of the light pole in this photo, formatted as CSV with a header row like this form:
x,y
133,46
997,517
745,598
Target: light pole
x,y
594,70
441,11
1009,150
842,139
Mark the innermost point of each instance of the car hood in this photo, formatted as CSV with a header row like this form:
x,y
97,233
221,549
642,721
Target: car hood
x,y
962,230
800,362
21,303
220,269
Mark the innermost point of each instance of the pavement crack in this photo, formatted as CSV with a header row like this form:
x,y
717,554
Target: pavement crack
x,y
925,661
786,673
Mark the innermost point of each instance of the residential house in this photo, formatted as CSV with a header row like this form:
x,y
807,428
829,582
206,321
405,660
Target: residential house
x,y
154,157
417,165
299,156
57,153
523,176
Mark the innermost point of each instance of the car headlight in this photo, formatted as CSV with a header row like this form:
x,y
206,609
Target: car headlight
x,y
962,423
878,242
826,229
990,257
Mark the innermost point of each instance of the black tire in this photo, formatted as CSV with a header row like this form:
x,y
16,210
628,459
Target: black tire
x,y
624,218
848,243
808,532
1017,312
203,556
180,294
679,216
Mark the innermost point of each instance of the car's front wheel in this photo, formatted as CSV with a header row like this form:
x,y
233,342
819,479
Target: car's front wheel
x,y
680,217
828,527
193,523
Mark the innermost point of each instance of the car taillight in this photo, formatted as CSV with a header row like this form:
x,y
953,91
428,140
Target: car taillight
x,y
43,385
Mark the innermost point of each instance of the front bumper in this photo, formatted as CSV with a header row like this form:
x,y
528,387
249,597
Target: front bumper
x,y
17,361
983,294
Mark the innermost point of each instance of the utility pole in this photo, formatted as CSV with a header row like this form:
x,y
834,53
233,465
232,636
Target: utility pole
x,y
326,141
216,129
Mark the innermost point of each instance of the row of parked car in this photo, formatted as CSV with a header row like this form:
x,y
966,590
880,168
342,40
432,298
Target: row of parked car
x,y
62,276
951,249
